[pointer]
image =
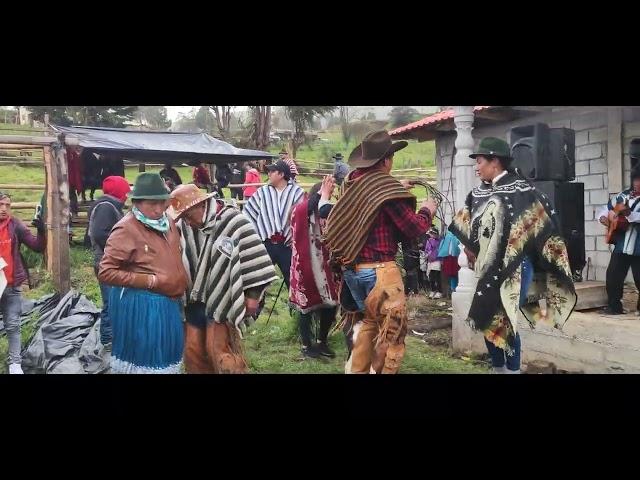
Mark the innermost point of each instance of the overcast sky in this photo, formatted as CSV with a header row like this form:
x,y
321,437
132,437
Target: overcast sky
x,y
173,112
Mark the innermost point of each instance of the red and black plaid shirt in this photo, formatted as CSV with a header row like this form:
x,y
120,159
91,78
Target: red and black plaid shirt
x,y
396,222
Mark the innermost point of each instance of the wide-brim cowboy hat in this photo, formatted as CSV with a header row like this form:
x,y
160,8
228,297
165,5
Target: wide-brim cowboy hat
x,y
374,147
185,197
149,186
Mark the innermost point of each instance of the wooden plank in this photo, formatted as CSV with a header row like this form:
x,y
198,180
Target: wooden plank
x,y
57,217
17,159
36,140
17,186
24,205
22,162
18,146
241,185
29,139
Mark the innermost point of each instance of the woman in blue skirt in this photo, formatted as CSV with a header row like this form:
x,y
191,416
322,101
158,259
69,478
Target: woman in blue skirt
x,y
142,261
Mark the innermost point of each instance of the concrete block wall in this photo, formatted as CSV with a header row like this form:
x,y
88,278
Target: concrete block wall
x,y
592,130
446,176
591,169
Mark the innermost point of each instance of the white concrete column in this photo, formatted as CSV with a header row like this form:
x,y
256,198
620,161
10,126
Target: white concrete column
x,y
464,339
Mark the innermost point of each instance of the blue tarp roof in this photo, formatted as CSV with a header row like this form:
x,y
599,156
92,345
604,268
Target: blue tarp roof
x,y
176,146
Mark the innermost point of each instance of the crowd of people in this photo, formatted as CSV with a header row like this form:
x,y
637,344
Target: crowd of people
x,y
190,309
184,273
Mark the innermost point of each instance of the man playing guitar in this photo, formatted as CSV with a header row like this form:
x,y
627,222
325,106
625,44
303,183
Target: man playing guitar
x,y
622,219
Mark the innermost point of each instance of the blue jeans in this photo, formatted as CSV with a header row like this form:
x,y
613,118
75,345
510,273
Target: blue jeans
x,y
360,284
497,354
11,305
105,321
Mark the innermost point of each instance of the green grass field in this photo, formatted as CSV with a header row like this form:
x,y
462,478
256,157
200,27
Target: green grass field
x,y
415,155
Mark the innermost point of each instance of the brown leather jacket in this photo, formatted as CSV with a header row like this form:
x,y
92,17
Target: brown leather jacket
x,y
135,251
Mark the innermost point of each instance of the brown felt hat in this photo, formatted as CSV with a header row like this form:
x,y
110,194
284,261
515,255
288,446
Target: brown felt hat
x,y
186,196
374,147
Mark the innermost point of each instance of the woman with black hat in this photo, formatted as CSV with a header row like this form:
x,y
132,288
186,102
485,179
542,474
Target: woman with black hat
x,y
142,261
510,233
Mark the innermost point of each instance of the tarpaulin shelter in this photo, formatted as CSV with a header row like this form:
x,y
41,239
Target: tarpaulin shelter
x,y
176,147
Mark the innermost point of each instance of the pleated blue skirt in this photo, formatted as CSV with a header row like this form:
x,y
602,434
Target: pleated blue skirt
x,y
148,333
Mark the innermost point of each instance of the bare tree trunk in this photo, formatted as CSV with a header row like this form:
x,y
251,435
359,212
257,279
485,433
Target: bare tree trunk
x,y
261,126
223,119
344,124
267,127
298,136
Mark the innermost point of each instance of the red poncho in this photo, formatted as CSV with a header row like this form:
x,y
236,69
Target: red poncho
x,y
312,282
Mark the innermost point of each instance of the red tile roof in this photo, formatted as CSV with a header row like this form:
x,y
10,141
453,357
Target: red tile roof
x,y
433,119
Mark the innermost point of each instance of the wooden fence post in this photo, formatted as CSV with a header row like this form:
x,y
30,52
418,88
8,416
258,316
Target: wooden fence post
x,y
57,221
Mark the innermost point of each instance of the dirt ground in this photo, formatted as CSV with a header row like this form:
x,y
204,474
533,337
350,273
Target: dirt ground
x,y
629,298
430,319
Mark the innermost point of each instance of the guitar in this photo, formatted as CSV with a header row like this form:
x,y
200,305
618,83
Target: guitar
x,y
617,221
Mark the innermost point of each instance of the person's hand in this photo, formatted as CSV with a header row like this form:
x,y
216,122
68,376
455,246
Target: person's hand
x,y
251,306
39,224
408,184
604,221
328,185
430,204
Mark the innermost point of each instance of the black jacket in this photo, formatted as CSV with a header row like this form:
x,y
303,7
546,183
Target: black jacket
x,y
223,174
102,218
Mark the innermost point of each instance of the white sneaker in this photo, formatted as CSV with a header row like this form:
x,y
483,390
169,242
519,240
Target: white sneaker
x,y
498,370
15,369
512,372
437,295
431,294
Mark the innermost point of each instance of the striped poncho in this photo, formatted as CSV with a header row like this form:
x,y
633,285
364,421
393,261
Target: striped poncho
x,y
223,259
270,210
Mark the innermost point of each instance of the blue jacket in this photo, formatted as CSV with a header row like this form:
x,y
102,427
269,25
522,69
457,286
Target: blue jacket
x,y
449,247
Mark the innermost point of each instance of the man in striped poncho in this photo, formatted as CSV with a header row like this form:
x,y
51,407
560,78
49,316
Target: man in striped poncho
x,y
269,210
229,270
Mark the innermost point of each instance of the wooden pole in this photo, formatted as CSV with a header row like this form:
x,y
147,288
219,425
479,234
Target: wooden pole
x,y
21,162
18,146
24,205
22,140
141,168
57,194
241,185
17,186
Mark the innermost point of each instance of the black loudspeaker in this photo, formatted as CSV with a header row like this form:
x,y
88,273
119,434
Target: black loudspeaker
x,y
567,199
562,151
543,153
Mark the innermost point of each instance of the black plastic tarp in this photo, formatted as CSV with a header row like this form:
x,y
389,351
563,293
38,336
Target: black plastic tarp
x,y
67,338
162,146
